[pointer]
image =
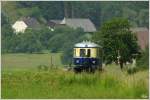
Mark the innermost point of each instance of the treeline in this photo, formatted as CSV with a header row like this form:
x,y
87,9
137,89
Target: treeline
x,y
37,41
45,39
98,11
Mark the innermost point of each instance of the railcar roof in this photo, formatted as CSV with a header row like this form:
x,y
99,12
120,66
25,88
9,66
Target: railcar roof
x,y
85,44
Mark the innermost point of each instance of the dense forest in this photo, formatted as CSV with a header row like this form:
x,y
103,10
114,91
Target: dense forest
x,y
63,39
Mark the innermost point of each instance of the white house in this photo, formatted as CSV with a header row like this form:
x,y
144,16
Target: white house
x,y
21,25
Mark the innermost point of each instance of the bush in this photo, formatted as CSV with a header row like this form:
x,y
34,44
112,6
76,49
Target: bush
x,y
143,59
132,70
42,68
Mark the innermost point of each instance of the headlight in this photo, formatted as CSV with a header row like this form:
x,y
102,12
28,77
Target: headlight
x,y
93,62
77,61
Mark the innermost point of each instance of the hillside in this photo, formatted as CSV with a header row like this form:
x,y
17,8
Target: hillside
x,y
98,12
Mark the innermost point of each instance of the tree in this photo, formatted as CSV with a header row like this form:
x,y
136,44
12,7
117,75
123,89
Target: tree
x,y
65,41
44,35
28,42
6,26
117,40
143,59
6,34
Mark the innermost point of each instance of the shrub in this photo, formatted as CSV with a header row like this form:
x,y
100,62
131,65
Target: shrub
x,y
143,59
132,70
42,68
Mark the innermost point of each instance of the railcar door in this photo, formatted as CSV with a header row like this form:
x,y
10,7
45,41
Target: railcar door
x,y
88,53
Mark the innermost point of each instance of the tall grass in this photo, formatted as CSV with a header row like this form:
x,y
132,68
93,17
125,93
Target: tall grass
x,y
21,79
60,84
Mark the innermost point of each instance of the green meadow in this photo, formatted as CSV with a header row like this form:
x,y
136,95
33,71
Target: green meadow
x,y
21,79
23,61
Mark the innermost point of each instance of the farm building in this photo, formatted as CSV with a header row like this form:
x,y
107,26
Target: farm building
x,y
24,23
142,34
54,23
84,23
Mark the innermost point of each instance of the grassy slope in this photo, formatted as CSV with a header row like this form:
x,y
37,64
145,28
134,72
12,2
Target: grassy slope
x,y
56,83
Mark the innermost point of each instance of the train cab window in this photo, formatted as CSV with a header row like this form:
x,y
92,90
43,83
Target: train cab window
x,y
82,53
88,53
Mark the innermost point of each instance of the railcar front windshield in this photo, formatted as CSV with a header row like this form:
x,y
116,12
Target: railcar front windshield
x,y
84,53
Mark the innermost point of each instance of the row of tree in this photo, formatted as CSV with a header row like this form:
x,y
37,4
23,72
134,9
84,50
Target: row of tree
x,y
62,39
98,11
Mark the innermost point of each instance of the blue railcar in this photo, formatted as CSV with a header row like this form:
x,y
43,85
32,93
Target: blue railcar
x,y
87,56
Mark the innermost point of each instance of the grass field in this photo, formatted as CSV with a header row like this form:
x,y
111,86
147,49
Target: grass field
x,y
57,83
29,61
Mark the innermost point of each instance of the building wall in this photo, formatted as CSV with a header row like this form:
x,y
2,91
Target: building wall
x,y
19,26
142,34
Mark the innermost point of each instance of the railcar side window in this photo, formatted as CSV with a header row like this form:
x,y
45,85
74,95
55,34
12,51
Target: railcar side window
x,y
75,52
82,52
88,53
98,52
